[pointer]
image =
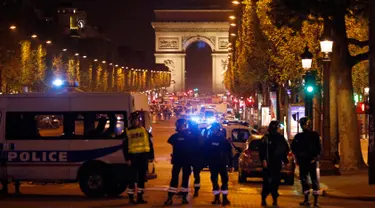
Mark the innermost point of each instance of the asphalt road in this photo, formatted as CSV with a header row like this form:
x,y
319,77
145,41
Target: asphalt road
x,y
241,195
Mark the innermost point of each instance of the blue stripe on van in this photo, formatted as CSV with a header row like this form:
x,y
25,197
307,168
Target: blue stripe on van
x,y
21,156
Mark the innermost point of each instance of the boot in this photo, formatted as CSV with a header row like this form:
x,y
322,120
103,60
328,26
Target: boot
x,y
184,200
225,200
274,203
216,199
264,202
169,201
131,199
196,192
306,201
140,199
316,204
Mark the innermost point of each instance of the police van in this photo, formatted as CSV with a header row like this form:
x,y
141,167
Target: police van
x,y
69,137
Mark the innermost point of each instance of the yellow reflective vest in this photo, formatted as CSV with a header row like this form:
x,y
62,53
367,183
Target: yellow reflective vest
x,y
138,141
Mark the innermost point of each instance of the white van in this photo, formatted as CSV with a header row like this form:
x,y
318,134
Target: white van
x,y
66,138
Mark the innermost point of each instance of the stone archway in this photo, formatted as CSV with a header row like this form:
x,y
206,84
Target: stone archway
x,y
173,36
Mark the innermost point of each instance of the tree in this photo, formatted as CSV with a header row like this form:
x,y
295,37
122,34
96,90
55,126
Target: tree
x,y
333,12
253,59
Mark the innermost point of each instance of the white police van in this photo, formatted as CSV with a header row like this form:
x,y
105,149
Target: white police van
x,y
66,137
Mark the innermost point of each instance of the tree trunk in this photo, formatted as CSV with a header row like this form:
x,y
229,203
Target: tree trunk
x,y
333,113
371,148
350,147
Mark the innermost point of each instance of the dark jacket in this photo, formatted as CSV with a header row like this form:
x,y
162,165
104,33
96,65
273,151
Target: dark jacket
x,y
218,151
140,156
274,149
182,147
306,146
197,149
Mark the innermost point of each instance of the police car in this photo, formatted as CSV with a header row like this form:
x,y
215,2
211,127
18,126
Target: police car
x,y
85,146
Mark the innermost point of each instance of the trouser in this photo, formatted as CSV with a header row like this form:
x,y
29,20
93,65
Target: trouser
x,y
215,171
138,170
197,176
271,181
186,171
305,169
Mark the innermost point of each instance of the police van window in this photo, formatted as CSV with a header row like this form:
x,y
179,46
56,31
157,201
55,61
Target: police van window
x,y
240,135
104,125
29,126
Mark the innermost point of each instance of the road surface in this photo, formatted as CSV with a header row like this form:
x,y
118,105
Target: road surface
x,y
241,195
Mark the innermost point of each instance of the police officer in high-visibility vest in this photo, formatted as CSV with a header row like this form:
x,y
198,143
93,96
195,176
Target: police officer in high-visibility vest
x,y
306,147
138,151
181,144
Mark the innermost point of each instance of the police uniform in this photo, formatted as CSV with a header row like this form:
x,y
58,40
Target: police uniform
x,y
197,155
306,147
273,150
138,148
180,160
219,157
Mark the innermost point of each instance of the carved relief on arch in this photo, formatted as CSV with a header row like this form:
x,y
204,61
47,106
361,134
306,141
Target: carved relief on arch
x,y
187,40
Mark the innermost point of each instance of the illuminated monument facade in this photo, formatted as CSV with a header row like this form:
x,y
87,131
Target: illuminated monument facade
x,y
175,30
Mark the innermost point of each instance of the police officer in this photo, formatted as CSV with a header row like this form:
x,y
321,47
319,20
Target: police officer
x,y
180,160
306,147
138,151
197,155
273,152
219,157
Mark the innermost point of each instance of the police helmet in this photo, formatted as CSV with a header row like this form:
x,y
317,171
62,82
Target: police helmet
x,y
274,126
134,116
216,126
304,121
180,122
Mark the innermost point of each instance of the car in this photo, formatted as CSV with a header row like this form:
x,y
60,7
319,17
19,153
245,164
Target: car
x,y
250,165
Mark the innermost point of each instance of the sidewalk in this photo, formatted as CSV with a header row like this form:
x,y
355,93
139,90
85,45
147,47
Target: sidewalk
x,y
350,186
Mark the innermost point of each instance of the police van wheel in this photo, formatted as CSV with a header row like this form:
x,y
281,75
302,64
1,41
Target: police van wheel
x,y
93,182
117,189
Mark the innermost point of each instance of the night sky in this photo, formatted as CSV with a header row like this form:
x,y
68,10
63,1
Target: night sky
x,y
128,22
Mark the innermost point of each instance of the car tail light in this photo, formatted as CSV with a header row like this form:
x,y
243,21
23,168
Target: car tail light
x,y
247,154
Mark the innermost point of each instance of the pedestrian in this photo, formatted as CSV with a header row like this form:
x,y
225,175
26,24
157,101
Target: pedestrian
x,y
306,148
197,155
273,153
219,158
180,160
138,151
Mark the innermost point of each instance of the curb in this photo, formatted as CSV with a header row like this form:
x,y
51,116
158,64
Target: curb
x,y
331,193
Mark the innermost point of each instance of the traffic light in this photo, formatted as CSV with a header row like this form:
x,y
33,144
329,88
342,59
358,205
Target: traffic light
x,y
310,83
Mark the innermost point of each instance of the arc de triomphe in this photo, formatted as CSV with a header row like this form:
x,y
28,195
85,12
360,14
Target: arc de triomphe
x,y
175,30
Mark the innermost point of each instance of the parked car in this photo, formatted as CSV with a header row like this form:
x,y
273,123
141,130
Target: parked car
x,y
251,166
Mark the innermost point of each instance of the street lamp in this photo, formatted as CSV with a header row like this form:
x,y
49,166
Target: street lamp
x,y
306,59
326,45
12,27
233,24
34,36
48,42
232,17
236,2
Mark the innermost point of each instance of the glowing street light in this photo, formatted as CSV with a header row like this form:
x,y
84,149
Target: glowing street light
x,y
84,57
110,64
12,27
48,42
236,2
34,36
233,24
306,59
95,60
233,34
76,54
64,49
232,17
104,62
116,65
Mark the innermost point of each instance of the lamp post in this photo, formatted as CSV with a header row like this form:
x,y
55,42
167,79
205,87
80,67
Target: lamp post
x,y
327,162
309,89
